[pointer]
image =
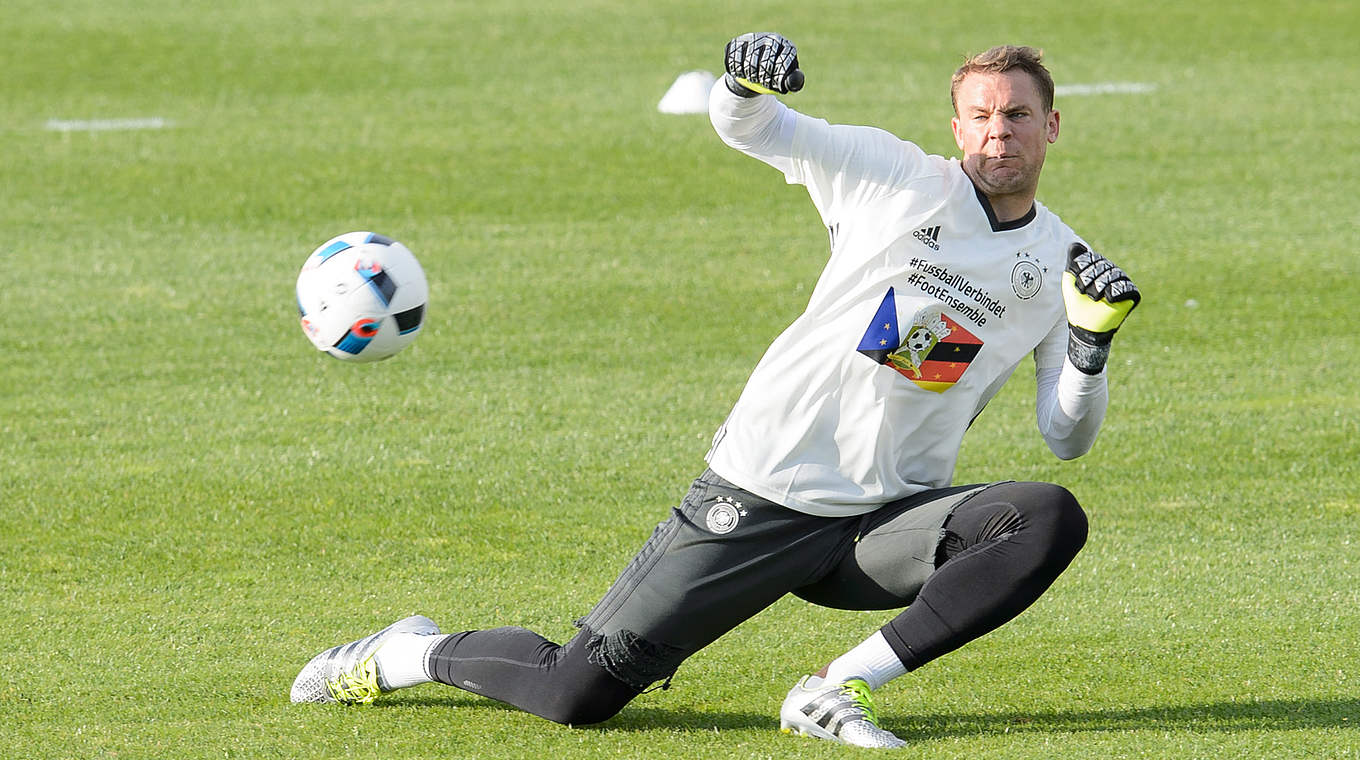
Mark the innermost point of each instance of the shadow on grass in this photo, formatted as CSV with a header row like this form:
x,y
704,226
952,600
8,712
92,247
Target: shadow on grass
x,y
1216,717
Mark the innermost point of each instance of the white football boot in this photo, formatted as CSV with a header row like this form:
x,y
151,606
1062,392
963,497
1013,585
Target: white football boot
x,y
348,673
838,712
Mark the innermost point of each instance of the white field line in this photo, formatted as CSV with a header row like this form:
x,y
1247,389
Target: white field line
x,y
105,125
1105,88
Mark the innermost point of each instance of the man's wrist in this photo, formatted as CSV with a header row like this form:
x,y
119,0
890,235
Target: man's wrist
x,y
736,88
1088,351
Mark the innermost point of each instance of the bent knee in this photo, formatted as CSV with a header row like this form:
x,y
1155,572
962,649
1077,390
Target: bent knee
x,y
583,709
1050,513
599,674
588,696
1059,513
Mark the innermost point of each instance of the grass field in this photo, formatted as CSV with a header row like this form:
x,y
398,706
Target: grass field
x,y
193,501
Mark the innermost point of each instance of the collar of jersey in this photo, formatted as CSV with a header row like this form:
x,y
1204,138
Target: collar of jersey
x,y
1000,226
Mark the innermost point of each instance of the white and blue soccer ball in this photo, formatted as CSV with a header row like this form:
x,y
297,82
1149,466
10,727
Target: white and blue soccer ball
x,y
361,297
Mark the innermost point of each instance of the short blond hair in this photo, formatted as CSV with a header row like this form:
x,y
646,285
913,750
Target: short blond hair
x,y
1001,59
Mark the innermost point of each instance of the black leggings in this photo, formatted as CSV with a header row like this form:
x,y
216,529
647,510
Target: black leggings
x,y
1001,549
521,668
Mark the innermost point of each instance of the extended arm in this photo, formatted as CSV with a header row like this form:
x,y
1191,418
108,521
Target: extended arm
x,y
839,164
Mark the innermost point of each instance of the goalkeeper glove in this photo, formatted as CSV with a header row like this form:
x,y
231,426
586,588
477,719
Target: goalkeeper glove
x,y
761,63
1098,296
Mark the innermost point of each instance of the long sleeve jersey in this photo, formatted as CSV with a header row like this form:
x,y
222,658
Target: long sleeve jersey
x,y
925,308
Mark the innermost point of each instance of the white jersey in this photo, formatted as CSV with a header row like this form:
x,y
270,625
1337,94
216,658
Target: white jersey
x,y
925,308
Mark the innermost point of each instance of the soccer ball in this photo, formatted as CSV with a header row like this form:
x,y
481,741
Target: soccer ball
x,y
920,339
361,297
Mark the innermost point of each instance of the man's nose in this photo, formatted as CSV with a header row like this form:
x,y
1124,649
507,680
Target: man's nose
x,y
998,127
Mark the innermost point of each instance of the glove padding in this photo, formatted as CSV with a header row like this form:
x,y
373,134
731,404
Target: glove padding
x,y
1098,296
760,63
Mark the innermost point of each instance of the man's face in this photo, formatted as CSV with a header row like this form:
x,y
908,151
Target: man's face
x,y
1003,131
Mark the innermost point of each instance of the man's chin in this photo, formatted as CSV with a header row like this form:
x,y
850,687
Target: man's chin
x,y
1004,181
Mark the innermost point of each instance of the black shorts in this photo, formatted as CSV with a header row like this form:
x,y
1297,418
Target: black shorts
x,y
725,554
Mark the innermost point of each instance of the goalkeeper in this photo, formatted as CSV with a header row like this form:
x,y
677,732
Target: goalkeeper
x,y
831,479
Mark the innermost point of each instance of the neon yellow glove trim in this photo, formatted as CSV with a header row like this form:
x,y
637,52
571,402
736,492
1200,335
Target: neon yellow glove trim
x,y
760,88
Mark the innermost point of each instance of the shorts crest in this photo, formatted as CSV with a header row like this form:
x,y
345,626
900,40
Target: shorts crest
x,y
724,515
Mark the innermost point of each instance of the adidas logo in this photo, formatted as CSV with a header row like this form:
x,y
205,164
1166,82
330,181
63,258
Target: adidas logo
x,y
930,236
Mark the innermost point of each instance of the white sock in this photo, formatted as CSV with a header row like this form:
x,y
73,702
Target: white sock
x,y
401,659
873,661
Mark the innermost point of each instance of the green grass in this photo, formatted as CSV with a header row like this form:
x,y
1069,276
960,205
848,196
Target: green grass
x,y
192,502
